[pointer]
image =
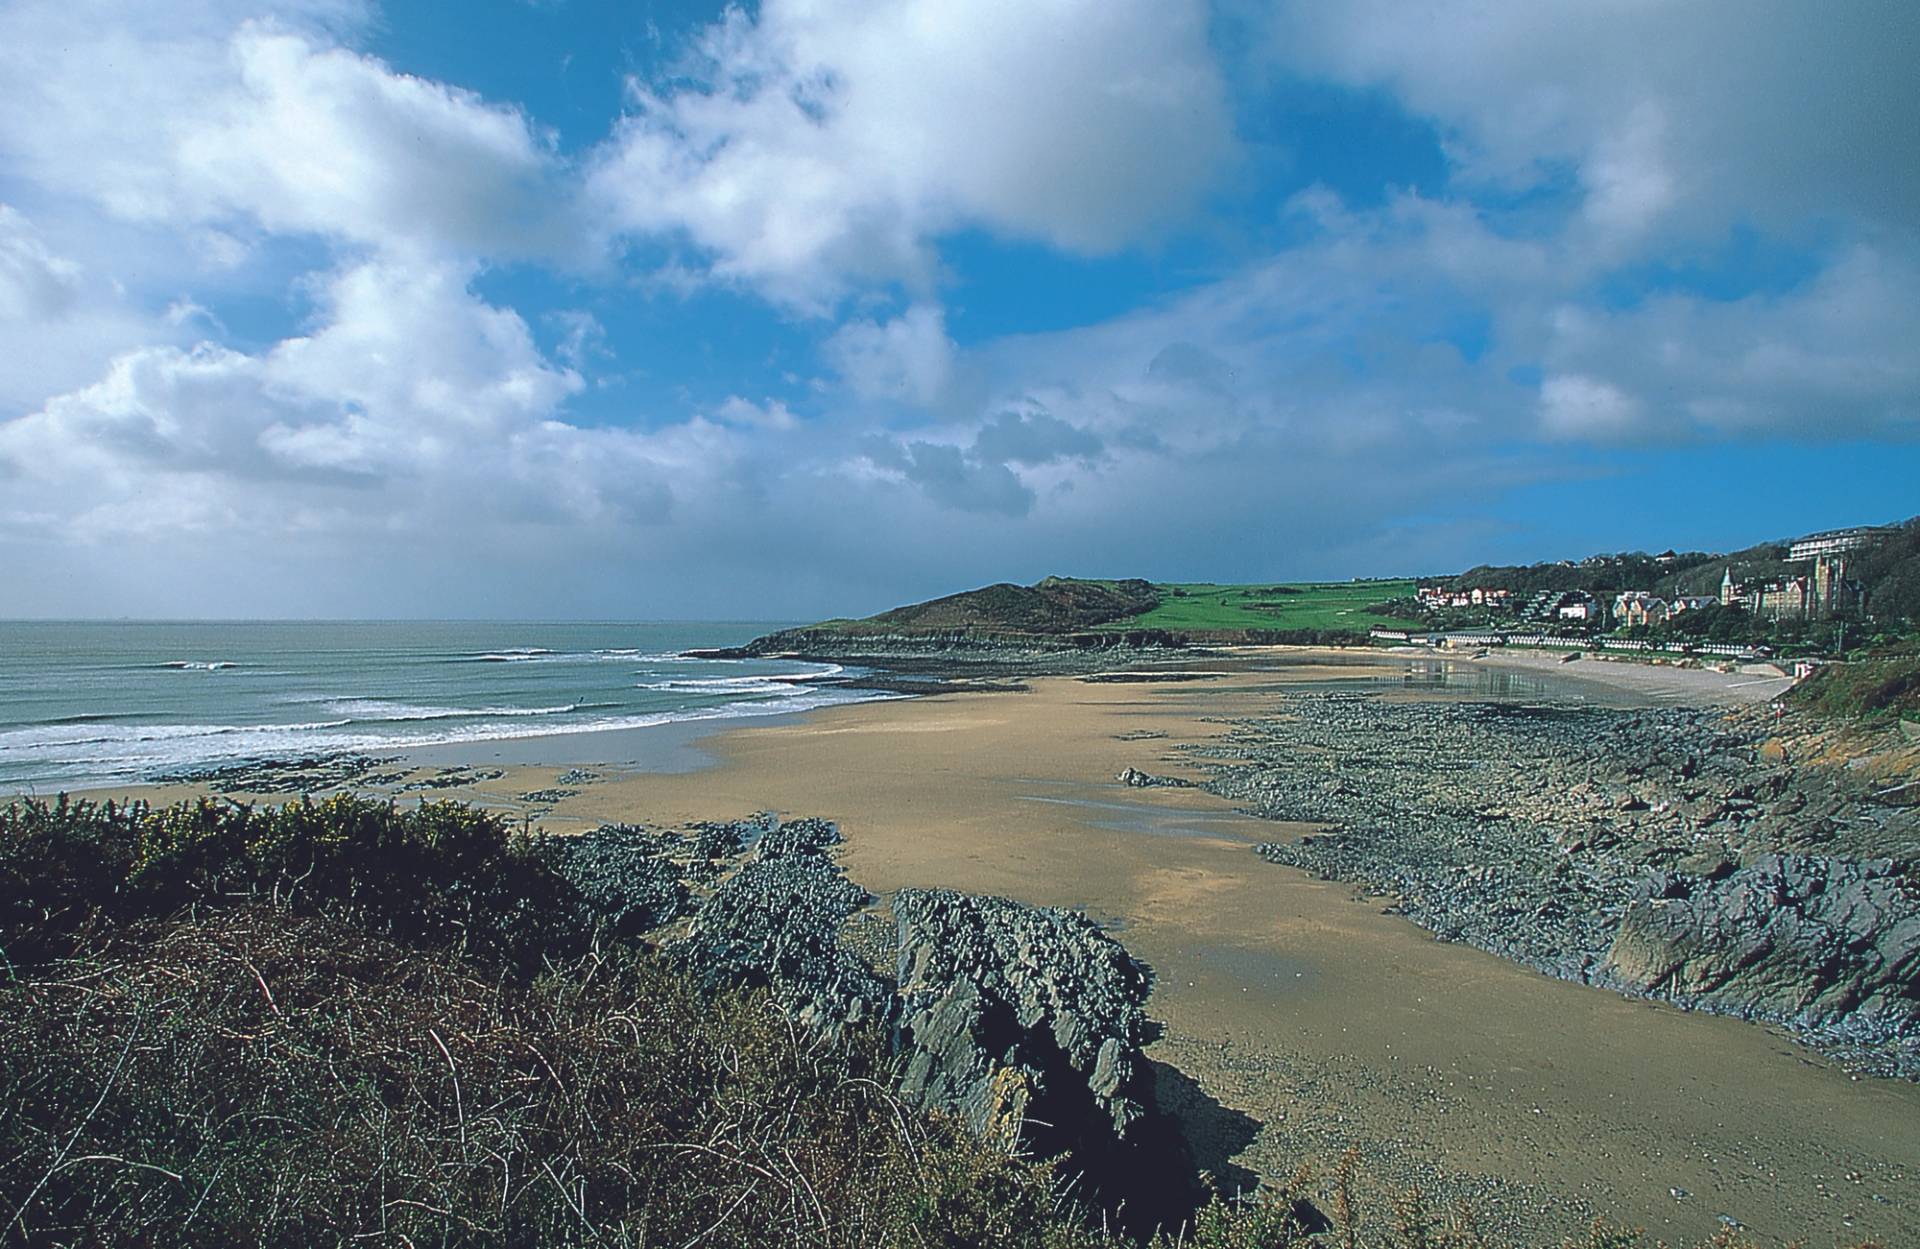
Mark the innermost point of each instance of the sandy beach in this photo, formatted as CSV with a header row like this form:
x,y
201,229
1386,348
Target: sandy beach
x,y
1302,1019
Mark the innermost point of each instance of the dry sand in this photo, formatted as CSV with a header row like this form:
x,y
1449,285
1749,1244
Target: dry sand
x,y
1301,1018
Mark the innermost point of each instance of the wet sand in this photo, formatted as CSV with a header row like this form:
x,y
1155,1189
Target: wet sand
x,y
1308,1019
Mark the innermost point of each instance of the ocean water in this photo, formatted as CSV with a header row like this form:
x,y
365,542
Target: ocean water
x,y
95,703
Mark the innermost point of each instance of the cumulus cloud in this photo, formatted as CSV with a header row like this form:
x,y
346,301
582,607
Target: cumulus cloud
x,y
266,124
60,321
1836,358
1412,358
1688,116
817,145
412,406
909,358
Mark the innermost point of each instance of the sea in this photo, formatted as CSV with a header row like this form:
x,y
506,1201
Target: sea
x,y
88,704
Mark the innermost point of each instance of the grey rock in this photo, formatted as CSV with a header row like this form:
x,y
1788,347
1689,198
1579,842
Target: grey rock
x,y
1655,852
1137,779
1009,1012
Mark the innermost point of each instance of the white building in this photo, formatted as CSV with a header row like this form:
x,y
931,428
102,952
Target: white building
x,y
1835,541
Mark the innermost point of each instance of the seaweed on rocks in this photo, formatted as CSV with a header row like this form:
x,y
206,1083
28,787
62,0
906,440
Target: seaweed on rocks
x,y
305,775
1134,778
802,838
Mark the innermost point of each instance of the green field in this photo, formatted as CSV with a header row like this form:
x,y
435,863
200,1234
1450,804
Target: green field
x,y
1203,606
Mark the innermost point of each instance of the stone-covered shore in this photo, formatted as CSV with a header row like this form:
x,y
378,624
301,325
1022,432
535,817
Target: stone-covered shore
x,y
1687,855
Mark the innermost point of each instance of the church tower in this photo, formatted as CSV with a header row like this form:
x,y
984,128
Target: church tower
x,y
1728,592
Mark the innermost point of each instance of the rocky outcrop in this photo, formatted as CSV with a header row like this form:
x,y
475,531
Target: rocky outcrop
x,y
625,880
1001,652
1821,945
1026,1022
1660,852
1010,1013
1134,778
776,923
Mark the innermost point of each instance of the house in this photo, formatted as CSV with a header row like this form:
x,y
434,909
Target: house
x,y
1641,608
1690,602
1650,610
1577,606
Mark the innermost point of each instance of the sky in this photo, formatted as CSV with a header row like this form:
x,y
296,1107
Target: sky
x,y
592,310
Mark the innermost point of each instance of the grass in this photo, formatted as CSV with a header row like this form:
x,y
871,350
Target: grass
x,y
1873,689
1205,607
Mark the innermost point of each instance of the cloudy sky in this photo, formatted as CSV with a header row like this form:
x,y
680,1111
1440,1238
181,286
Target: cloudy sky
x,y
575,308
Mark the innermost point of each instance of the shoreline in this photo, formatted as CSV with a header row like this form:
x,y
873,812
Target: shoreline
x,y
1316,1020
671,744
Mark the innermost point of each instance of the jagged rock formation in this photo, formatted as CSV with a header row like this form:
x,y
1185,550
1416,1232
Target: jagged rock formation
x,y
625,880
1010,1012
1026,1022
776,923
1821,945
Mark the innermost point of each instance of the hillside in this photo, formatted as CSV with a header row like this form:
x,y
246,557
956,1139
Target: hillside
x,y
1053,605
1889,570
1094,613
1076,613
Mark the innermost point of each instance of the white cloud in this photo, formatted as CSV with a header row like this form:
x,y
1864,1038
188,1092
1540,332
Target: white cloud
x,y
202,119
1689,116
35,284
321,140
1575,406
1836,358
413,407
60,322
773,414
909,358
828,143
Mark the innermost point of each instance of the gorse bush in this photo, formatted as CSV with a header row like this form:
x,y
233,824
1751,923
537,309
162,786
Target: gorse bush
x,y
438,874
344,1022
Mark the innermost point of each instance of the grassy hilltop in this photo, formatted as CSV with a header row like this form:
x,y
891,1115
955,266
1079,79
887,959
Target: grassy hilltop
x,y
1200,611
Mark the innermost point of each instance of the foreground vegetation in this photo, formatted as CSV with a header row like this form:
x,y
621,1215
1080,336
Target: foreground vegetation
x,y
351,1021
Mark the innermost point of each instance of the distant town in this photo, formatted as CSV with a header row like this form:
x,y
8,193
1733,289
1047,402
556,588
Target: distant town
x,y
1810,595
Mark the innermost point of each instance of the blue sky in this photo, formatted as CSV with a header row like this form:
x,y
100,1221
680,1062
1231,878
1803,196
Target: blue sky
x,y
327,308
